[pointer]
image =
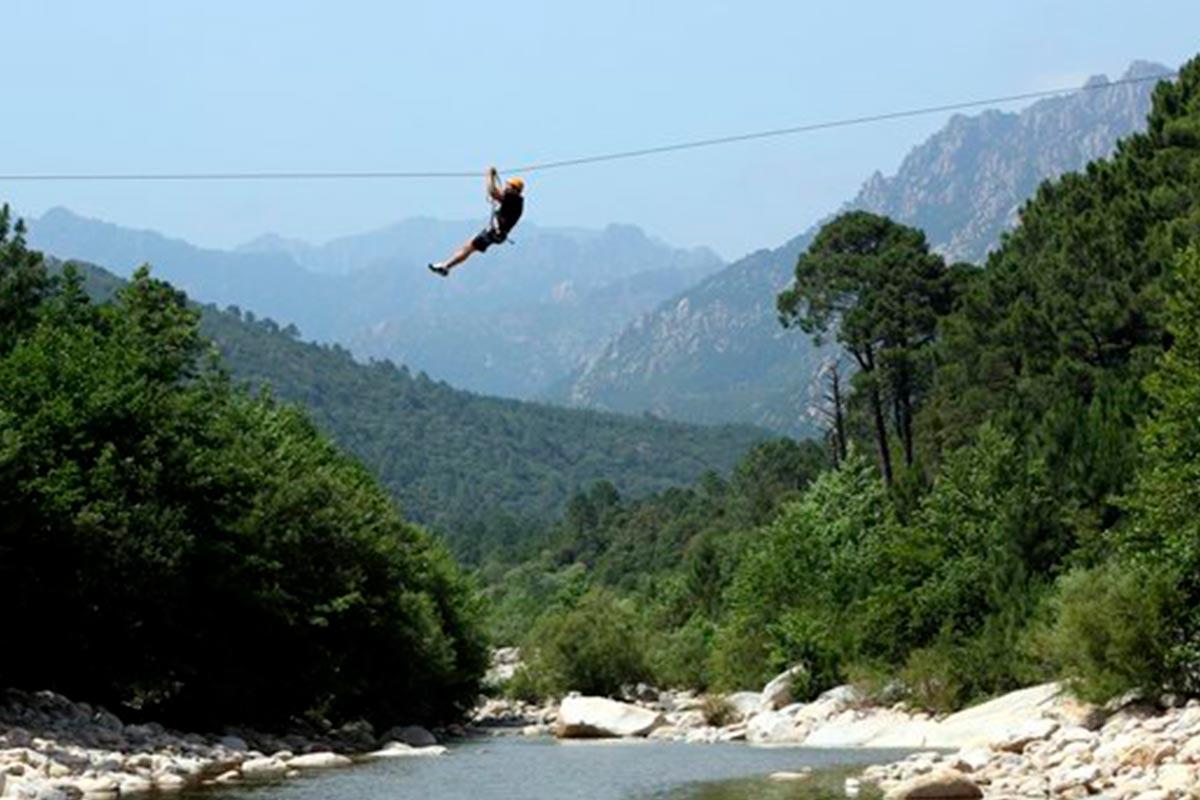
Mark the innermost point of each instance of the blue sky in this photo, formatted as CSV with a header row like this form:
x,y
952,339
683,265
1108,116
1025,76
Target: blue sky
x,y
185,85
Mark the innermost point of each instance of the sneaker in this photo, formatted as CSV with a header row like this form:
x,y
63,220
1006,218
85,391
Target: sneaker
x,y
440,270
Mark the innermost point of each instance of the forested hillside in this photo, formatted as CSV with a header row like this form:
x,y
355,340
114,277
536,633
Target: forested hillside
x,y
715,353
171,545
510,325
1013,492
473,467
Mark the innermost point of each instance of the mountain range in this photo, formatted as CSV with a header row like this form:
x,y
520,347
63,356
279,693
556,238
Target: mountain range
x,y
716,352
477,469
614,319
509,325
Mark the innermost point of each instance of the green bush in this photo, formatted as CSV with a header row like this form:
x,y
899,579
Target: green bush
x,y
1113,628
679,658
799,578
596,647
931,677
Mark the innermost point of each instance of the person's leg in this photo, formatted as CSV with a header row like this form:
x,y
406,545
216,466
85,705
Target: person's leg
x,y
461,255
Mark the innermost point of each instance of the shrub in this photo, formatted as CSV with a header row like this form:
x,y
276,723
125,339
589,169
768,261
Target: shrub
x,y
931,678
596,647
717,711
1113,629
680,658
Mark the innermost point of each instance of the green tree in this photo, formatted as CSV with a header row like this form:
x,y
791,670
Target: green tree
x,y
24,281
876,282
208,554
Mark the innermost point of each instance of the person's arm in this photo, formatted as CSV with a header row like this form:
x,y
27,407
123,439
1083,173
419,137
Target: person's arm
x,y
493,185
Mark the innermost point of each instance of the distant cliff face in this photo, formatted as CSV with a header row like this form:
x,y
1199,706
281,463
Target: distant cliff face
x,y
717,353
966,183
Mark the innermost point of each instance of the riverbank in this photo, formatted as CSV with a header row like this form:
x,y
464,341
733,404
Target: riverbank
x,y
54,749
1035,742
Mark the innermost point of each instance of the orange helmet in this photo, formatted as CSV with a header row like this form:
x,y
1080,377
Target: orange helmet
x,y
516,183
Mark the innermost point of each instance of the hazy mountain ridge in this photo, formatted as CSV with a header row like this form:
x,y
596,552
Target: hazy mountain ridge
x,y
965,185
716,352
509,323
456,460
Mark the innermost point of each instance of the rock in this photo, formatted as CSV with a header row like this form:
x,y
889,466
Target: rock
x,y
226,778
688,719
60,791
1147,752
134,784
325,760
1018,738
18,737
1190,752
1153,794
170,782
977,725
402,750
939,785
971,759
666,733
101,785
778,692
1084,776
1179,779
598,717
747,704
106,719
358,735
701,736
264,769
236,743
788,776
413,735
772,727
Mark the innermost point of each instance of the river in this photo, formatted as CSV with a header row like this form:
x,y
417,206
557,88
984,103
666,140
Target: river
x,y
504,768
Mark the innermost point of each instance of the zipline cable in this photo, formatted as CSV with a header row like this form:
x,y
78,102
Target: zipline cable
x,y
593,159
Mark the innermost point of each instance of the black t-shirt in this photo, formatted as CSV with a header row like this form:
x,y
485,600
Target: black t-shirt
x,y
511,206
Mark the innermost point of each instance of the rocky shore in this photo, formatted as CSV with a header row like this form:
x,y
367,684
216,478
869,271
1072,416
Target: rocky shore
x,y
1137,752
54,749
1037,742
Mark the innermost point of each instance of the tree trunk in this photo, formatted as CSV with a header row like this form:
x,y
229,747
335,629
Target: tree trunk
x,y
907,433
881,436
839,417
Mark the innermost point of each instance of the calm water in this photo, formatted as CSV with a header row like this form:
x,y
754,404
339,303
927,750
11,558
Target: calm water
x,y
541,769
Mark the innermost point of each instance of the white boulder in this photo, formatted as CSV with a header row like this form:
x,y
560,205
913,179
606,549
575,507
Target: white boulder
x,y
778,692
599,717
938,785
319,761
747,704
402,750
262,769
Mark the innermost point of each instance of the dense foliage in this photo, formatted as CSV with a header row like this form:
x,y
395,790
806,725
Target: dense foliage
x,y
178,547
1045,411
481,470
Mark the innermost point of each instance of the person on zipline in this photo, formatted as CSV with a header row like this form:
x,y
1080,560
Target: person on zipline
x,y
509,202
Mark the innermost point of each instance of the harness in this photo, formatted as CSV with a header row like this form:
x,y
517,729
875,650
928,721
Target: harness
x,y
494,222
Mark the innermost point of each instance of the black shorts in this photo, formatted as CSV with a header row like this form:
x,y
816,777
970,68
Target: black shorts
x,y
488,237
